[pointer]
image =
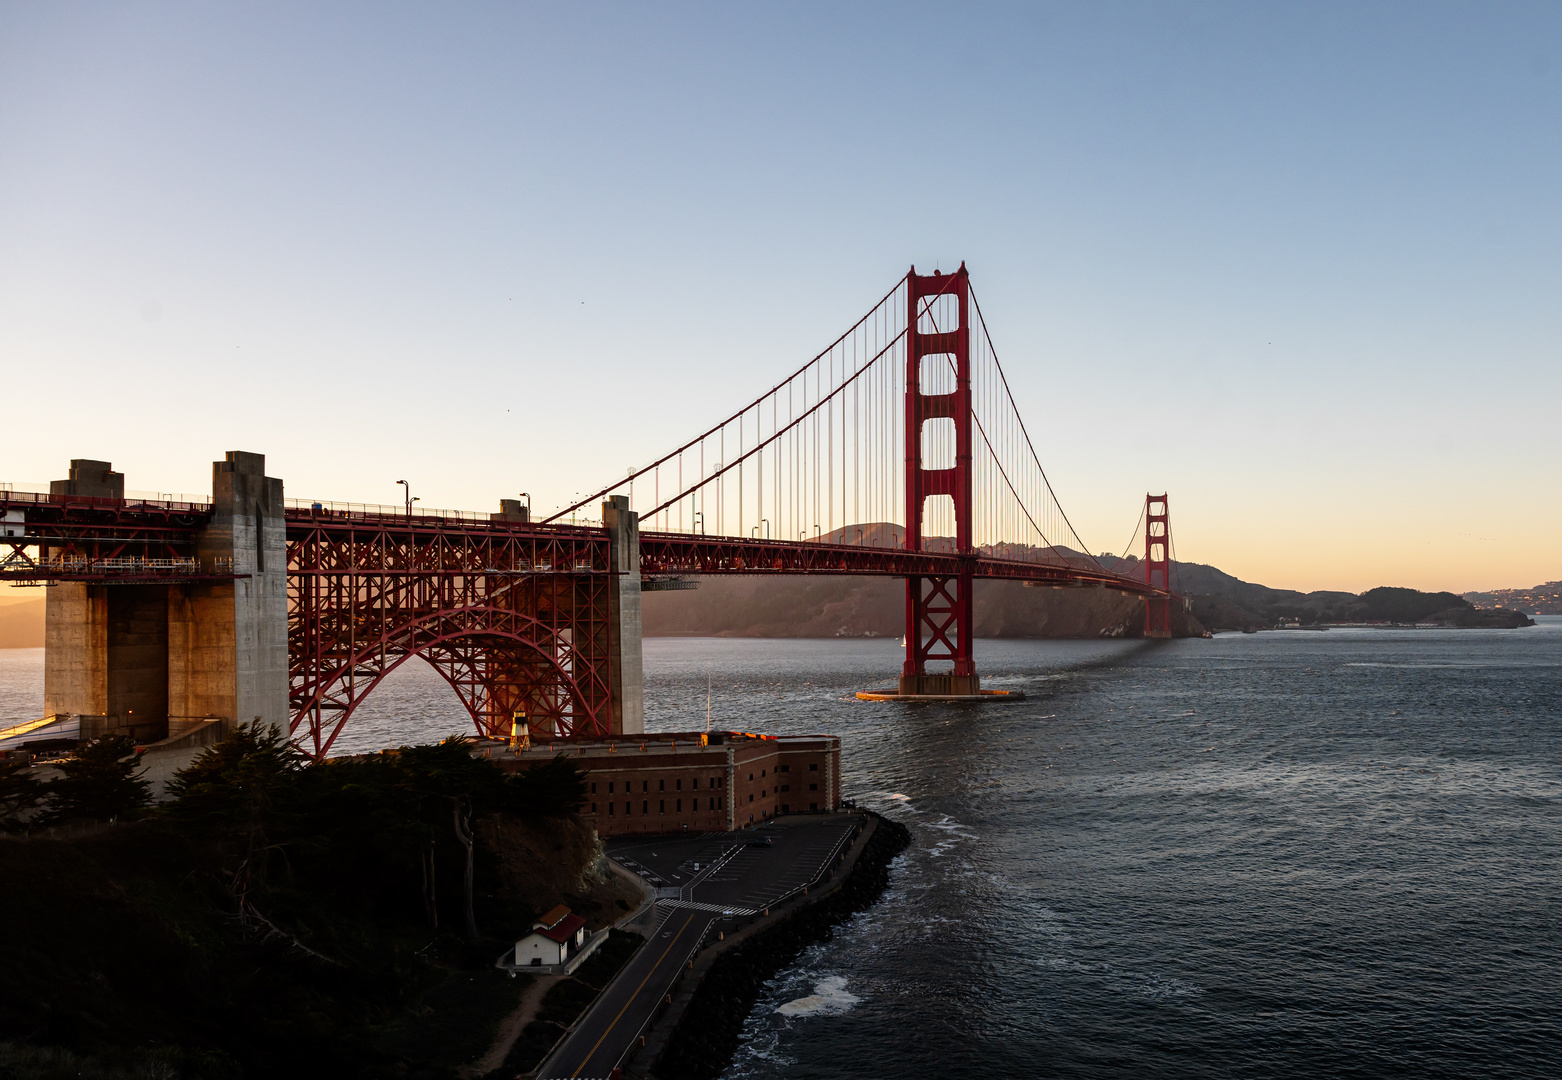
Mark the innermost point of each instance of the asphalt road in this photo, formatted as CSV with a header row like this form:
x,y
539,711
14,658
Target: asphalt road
x,y
715,874
604,1036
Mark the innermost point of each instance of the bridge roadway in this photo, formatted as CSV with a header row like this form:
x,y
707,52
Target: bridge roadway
x,y
114,540
714,874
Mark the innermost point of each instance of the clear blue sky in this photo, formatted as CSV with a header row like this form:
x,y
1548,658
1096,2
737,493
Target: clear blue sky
x,y
1298,264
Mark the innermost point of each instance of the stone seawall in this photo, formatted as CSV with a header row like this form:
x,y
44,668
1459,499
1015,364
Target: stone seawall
x,y
708,1032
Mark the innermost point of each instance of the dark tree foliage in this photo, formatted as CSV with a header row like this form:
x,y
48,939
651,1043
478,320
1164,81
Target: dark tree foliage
x,y
236,796
100,783
237,781
554,787
395,831
444,780
20,793
277,910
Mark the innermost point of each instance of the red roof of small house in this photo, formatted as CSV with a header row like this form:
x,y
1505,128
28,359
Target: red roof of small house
x,y
563,930
554,916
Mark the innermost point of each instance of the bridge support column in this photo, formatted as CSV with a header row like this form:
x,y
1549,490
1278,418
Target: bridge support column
x,y
938,609
1157,566
227,654
106,646
625,665
76,657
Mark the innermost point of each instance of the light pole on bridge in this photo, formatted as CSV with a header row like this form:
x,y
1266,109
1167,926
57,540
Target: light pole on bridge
x,y
410,499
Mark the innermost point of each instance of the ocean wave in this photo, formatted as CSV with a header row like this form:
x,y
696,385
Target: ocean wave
x,y
830,998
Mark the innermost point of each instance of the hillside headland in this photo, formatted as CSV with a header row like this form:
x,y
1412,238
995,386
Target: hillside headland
x,y
824,607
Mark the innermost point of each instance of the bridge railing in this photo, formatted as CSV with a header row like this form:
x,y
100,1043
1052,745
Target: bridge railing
x,y
377,511
25,494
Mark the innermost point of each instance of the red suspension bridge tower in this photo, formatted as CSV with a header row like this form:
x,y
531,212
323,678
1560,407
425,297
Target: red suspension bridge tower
x,y
938,608
1157,566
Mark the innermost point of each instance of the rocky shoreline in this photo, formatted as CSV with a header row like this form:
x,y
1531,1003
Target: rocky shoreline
x,y
709,1032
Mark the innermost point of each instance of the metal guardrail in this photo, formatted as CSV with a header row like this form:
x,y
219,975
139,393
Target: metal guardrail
x,y
120,563
419,513
178,504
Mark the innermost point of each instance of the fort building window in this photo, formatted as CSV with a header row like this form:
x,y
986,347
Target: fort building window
x,y
813,787
679,807
593,787
661,806
593,808
661,785
645,806
813,768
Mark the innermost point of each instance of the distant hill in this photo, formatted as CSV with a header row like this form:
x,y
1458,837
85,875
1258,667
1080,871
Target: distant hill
x,y
1222,602
848,606
826,606
21,618
829,606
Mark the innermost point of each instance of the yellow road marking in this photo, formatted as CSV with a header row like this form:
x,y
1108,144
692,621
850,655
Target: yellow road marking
x,y
614,1022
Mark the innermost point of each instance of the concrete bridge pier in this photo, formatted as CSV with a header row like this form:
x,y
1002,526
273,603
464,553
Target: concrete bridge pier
x,y
154,661
626,671
227,652
106,647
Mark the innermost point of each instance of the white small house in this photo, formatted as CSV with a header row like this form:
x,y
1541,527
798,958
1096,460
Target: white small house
x,y
553,938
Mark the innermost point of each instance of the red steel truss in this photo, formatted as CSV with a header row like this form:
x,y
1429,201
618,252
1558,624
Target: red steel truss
x,y
84,538
514,616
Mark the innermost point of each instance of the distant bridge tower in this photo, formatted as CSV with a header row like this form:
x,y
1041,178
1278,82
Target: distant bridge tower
x,y
938,609
1157,566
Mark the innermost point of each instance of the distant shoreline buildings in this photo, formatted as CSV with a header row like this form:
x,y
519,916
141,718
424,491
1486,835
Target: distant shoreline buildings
x,y
1541,600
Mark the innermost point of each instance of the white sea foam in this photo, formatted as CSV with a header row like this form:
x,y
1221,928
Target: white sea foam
x,y
830,998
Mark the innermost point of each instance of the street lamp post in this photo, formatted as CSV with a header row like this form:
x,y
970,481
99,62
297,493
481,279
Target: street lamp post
x,y
410,499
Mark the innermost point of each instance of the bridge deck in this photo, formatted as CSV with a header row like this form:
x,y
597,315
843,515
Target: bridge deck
x,y
147,540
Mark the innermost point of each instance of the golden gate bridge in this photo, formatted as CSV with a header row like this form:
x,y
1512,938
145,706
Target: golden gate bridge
x,y
896,451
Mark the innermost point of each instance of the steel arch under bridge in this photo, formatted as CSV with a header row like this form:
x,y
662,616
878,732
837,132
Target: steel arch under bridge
x,y
517,619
